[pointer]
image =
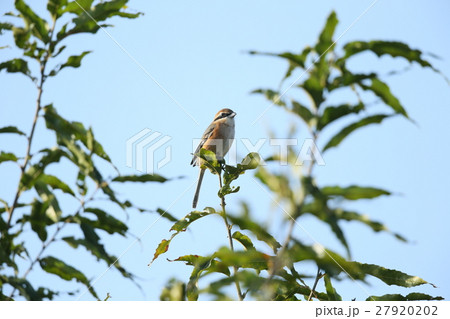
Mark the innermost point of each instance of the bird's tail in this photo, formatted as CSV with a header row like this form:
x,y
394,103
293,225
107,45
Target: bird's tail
x,y
197,191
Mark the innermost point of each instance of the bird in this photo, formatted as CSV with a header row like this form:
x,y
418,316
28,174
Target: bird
x,y
218,138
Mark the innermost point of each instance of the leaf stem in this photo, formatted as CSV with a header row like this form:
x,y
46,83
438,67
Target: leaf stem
x,y
227,225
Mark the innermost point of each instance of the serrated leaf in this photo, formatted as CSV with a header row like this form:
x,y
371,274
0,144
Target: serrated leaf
x,y
215,266
200,265
68,132
244,240
56,8
140,178
162,248
59,268
339,137
244,222
106,222
17,66
88,18
11,129
184,223
414,296
305,113
383,91
376,226
243,259
333,113
331,291
98,250
73,61
391,276
38,219
354,192
5,157
326,36
392,48
55,183
38,25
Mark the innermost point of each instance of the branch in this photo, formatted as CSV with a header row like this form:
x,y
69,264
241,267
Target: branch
x,y
318,277
40,87
227,225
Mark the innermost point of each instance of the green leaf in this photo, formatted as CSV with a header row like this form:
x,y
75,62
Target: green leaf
x,y
166,214
391,276
326,37
174,291
53,211
332,263
55,183
59,268
331,291
184,223
215,266
383,91
244,222
180,226
73,61
106,222
339,137
38,25
162,248
56,8
88,18
11,129
33,173
302,111
414,296
17,66
5,26
243,259
5,157
98,250
244,240
39,219
392,48
69,132
140,178
24,287
376,226
333,113
200,265
354,192
209,161
348,79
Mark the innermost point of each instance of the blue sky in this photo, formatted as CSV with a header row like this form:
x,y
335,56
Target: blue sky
x,y
197,52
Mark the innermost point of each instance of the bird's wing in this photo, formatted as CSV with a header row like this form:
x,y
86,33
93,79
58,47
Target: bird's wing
x,y
206,135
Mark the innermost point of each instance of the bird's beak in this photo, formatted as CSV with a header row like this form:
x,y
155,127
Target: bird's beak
x,y
233,114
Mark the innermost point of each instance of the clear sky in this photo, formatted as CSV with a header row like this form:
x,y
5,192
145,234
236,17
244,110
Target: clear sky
x,y
197,52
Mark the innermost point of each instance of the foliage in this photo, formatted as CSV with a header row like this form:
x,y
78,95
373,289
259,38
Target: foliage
x,y
76,149
272,272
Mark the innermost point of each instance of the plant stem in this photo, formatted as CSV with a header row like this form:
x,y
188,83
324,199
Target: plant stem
x,y
318,276
40,87
227,225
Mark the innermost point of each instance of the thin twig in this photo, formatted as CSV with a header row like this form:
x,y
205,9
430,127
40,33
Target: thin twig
x,y
318,276
227,225
27,158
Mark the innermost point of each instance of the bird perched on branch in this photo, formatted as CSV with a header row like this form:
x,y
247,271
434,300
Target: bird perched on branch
x,y
218,138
